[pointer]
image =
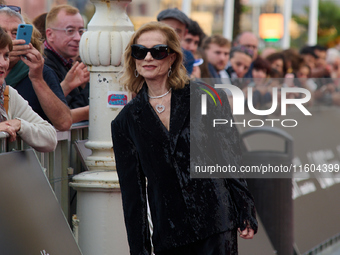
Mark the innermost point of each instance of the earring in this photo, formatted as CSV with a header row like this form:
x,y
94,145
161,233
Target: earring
x,y
136,73
169,72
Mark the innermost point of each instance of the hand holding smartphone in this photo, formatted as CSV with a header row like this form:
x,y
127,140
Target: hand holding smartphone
x,y
24,32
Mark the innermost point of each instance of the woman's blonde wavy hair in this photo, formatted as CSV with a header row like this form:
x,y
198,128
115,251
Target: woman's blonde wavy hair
x,y
178,77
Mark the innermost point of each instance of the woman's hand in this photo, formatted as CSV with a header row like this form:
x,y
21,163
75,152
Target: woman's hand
x,y
11,127
247,233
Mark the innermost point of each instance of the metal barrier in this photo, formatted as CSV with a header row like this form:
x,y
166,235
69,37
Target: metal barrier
x,y
61,164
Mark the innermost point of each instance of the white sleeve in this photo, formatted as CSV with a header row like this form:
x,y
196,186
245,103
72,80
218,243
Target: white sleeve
x,y
35,131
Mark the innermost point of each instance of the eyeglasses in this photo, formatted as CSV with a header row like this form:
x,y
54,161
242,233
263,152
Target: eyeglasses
x,y
71,31
158,52
12,7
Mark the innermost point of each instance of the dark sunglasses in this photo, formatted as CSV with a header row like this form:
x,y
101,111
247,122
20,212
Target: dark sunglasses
x,y
12,7
158,52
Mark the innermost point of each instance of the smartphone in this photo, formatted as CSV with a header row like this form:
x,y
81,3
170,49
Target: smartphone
x,y
24,32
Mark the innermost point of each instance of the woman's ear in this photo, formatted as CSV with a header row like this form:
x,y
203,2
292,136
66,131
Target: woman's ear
x,y
172,58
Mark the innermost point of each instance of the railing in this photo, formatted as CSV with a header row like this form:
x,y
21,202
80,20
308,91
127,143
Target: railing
x,y
61,164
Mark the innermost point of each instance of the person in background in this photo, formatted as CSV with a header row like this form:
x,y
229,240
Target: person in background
x,y
309,57
250,41
267,51
33,80
151,141
239,63
193,39
303,80
320,70
328,93
179,22
40,23
321,53
292,59
204,66
192,42
64,27
216,49
18,118
262,91
278,62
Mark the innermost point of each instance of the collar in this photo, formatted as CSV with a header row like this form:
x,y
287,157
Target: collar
x,y
180,111
67,63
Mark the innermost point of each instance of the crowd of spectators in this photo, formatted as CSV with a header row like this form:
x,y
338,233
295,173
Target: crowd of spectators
x,y
57,87
46,72
240,62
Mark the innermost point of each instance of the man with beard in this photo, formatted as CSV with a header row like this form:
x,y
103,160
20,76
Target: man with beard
x,y
217,50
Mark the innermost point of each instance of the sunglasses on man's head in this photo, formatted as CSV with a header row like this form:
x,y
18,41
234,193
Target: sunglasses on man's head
x,y
158,52
12,7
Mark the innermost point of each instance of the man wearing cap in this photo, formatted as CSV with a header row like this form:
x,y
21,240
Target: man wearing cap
x,y
179,22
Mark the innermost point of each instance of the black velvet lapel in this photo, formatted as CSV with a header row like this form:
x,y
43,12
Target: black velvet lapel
x,y
148,120
180,111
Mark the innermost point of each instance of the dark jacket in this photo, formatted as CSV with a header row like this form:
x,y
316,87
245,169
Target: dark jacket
x,y
183,209
26,90
213,72
77,97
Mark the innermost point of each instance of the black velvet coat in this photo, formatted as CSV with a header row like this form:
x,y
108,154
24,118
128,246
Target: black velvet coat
x,y
183,210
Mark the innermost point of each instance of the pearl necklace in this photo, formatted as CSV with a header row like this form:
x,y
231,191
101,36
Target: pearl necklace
x,y
160,107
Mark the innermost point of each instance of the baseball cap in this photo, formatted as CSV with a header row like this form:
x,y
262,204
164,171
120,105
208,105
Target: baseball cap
x,y
174,13
198,62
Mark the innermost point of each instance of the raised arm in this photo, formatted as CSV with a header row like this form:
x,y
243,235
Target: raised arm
x,y
56,110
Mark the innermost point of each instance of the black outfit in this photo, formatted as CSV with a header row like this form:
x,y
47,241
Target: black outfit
x,y
184,210
218,244
26,90
77,97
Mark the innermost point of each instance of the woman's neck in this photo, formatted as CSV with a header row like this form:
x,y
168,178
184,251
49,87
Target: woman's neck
x,y
156,87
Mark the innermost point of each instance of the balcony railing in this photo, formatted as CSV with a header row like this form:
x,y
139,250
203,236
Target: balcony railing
x,y
61,164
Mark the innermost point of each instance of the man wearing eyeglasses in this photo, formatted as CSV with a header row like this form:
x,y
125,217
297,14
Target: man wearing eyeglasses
x,y
34,81
64,28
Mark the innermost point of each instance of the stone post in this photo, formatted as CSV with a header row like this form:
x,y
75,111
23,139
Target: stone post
x,y
99,207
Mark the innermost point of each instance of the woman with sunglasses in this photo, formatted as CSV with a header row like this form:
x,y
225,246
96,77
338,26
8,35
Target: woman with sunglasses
x,y
18,118
151,141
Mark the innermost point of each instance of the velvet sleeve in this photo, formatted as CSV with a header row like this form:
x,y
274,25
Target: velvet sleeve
x,y
232,153
133,187
227,148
